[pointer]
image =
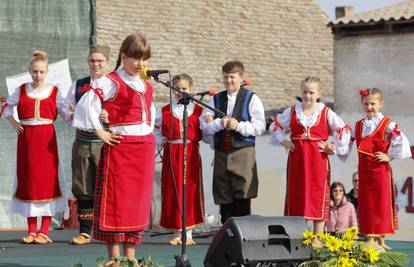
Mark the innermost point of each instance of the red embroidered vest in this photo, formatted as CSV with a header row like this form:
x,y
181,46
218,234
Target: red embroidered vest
x,y
128,106
173,131
318,131
375,142
41,109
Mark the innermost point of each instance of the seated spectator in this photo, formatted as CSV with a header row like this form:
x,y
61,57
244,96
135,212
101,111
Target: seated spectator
x,y
343,215
353,194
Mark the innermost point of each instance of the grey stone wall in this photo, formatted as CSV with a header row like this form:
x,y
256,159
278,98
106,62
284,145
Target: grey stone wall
x,y
382,61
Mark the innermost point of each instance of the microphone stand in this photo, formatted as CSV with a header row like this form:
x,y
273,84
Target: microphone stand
x,y
182,260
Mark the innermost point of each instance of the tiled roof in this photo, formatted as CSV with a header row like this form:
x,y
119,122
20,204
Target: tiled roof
x,y
399,12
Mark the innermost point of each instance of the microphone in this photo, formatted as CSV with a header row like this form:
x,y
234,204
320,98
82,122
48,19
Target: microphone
x,y
211,92
146,73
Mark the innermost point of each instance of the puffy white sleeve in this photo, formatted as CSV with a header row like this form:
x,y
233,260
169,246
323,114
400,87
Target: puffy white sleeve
x,y
257,124
400,147
157,129
87,110
12,101
279,127
62,108
341,133
210,128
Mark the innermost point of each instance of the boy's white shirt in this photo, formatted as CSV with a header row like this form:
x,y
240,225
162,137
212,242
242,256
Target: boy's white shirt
x,y
255,127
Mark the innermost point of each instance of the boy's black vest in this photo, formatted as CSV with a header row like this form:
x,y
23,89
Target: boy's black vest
x,y
240,113
84,136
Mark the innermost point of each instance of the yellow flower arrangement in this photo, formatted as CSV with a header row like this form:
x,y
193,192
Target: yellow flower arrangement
x,y
333,243
345,251
371,254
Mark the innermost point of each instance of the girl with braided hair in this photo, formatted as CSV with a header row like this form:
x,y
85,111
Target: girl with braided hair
x,y
124,182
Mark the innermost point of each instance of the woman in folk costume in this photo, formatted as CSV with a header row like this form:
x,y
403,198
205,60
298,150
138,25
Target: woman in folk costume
x,y
124,181
379,140
39,185
169,132
308,172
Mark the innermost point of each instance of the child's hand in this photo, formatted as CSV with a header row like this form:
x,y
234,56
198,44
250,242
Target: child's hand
x,y
108,137
209,118
288,145
232,124
224,122
382,157
326,148
16,125
103,116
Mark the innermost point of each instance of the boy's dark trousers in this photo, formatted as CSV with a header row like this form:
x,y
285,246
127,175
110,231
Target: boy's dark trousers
x,y
238,208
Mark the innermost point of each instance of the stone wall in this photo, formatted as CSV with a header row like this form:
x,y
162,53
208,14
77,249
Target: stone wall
x,y
280,42
382,61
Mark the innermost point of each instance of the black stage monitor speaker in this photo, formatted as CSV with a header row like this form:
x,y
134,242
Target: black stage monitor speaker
x,y
259,241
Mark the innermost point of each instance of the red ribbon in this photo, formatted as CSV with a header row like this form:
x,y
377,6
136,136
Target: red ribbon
x,y
4,106
394,132
363,92
277,125
99,93
340,131
86,87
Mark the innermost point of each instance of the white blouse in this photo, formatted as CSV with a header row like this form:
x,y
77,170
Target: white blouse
x,y
89,107
399,148
342,134
13,101
255,127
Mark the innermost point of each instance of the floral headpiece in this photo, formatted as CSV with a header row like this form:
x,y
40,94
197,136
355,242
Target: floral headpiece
x,y
363,92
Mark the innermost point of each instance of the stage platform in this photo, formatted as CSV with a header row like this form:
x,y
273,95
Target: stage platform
x,y
62,254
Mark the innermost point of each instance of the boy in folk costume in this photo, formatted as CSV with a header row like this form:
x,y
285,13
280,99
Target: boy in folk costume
x,y
235,180
124,181
86,149
169,132
310,124
39,182
379,140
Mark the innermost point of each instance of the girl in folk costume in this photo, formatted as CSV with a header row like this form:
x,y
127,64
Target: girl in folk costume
x,y
39,181
308,172
124,182
169,132
378,142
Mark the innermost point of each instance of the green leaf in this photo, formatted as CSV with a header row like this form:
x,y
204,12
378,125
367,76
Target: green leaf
x,y
77,264
393,259
330,262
